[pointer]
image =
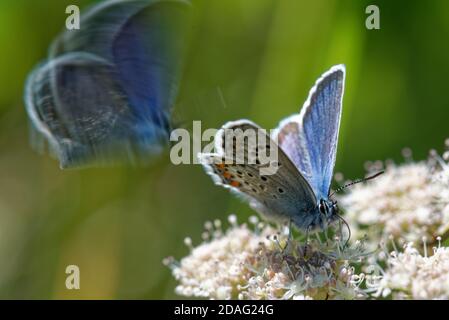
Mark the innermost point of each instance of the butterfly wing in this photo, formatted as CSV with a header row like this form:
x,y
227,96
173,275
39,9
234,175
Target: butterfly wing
x,y
76,102
107,90
283,195
145,41
310,139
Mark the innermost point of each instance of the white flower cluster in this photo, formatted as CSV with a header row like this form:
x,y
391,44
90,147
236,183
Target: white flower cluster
x,y
409,205
410,275
216,268
242,263
408,202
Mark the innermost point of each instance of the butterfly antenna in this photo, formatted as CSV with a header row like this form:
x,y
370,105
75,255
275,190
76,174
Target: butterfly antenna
x,y
349,229
355,182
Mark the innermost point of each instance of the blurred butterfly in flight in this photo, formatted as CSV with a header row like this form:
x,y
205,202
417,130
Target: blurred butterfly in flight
x,y
106,92
299,190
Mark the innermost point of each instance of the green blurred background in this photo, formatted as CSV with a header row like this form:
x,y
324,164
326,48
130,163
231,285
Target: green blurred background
x,y
252,59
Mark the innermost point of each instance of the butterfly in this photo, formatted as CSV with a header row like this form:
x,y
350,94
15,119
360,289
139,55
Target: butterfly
x,y
106,91
306,147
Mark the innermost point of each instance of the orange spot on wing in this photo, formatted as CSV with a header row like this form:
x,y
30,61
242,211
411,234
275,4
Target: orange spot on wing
x,y
220,166
227,175
235,183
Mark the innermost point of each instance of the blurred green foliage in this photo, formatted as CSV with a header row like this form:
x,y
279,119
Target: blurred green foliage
x,y
252,59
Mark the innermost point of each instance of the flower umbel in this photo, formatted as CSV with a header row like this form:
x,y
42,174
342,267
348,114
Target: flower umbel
x,y
410,275
261,263
410,201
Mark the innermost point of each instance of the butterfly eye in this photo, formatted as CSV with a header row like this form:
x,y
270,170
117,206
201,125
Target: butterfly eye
x,y
322,208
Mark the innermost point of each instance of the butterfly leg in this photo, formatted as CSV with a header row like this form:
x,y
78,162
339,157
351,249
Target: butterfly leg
x,y
289,236
289,231
306,245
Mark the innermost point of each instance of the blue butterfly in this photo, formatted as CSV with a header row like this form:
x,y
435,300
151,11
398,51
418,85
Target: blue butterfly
x,y
299,191
106,92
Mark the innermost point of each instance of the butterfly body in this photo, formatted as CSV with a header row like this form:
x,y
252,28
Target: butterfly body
x,y
304,146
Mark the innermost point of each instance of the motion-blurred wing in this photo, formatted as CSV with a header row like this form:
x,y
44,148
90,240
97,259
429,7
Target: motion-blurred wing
x,y
107,90
145,41
76,102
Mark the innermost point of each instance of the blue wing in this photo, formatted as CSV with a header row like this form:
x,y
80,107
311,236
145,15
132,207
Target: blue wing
x,y
145,40
310,139
77,104
107,90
